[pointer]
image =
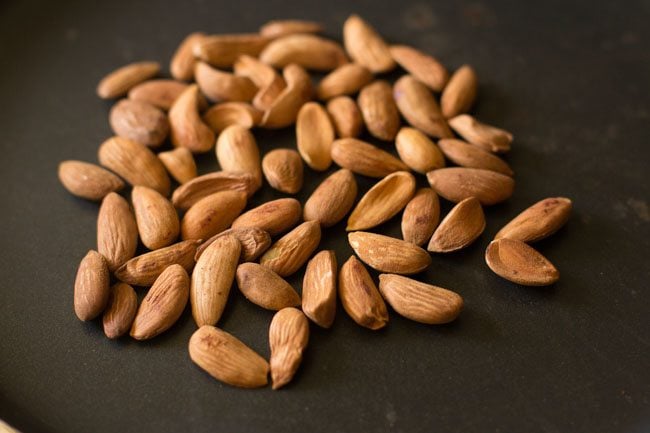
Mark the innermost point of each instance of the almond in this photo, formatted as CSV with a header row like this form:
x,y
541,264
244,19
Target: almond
x,y
332,199
283,170
344,80
383,201
288,337
87,180
418,151
237,152
314,136
222,51
221,116
457,183
182,64
187,128
418,301
179,163
139,121
121,80
223,86
156,218
538,221
212,214
345,116
378,110
275,216
265,288
284,109
117,232
420,109
253,242
291,251
278,28
365,46
470,156
462,226
160,93
319,289
266,96
267,80
308,51
423,67
120,312
387,254
360,297
517,262
460,93
421,217
480,134
91,289
194,190
364,158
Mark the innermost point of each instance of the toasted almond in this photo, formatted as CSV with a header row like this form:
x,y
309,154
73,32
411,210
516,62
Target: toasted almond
x,y
462,226
314,136
517,262
135,163
117,232
470,156
91,289
160,93
283,170
360,297
460,93
265,288
319,289
221,116
387,254
379,110
227,359
156,218
418,301
87,180
222,51
383,201
344,80
182,64
237,152
120,81
212,214
268,81
420,109
194,190
292,250
266,96
308,51
284,108
364,158
418,151
332,199
120,311
223,86
346,117
288,337
421,217
278,28
425,68
458,183
274,217
179,163
366,46
254,242
538,221
212,278
187,128
144,269
480,134
139,121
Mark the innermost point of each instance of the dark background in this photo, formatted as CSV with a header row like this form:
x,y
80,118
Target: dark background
x,y
569,79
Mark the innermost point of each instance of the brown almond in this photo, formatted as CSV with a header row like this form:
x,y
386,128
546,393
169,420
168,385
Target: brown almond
x,y
274,217
179,163
221,116
346,117
292,250
139,121
344,80
227,359
383,201
458,183
87,180
135,163
487,137
378,110
421,216
278,28
266,96
223,86
155,216
517,262
309,51
212,214
285,107
470,156
418,301
187,128
212,278
538,221
269,83
332,199
288,337
319,289
364,158
283,170
120,311
121,80
360,297
237,152
265,288
222,51
182,64
460,92
425,68
160,93
117,232
314,136
420,109
194,190
462,226
418,151
387,254
254,242
365,46
91,289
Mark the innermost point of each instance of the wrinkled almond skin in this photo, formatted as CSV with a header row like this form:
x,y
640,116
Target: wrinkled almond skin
x,y
332,199
387,254
179,163
420,109
187,127
117,232
365,46
462,226
515,261
344,80
221,116
222,51
379,110
120,311
364,158
319,289
237,152
284,109
460,92
160,93
470,156
223,86
194,190
265,288
278,28
91,290
425,68
274,217
458,183
360,297
485,136
121,80
346,117
309,51
155,216
227,359
538,221
139,121
418,151
212,214
288,337
182,64
283,170
421,216
254,242
314,136
291,251
418,301
87,180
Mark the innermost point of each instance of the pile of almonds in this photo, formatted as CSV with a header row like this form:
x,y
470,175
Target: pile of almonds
x,y
260,80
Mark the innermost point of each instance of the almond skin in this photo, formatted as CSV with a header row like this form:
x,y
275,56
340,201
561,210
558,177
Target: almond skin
x,y
155,216
344,80
187,128
387,254
120,312
223,86
179,163
421,217
265,288
365,46
314,136
319,289
91,289
277,28
425,68
212,214
309,51
160,93
288,337
222,51
420,109
117,232
291,251
118,82
364,158
379,111
462,226
221,116
139,121
457,183
87,180
418,301
470,156
182,64
346,117
253,242
360,297
418,151
275,216
194,190
332,199
460,93
237,152
486,137
538,221
283,170
284,109
517,262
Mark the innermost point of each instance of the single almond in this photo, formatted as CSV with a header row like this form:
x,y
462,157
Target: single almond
x,y
332,199
135,163
87,180
120,311
288,337
470,156
420,109
237,152
462,226
480,134
212,278
156,218
285,107
387,254
182,64
278,28
274,217
269,83
91,289
266,96
378,110
538,221
265,288
319,289
418,151
139,121
460,92
418,301
117,232
458,183
227,359
283,170
346,117
221,116
187,128
179,163
212,214
160,93
223,86
364,158
421,216
360,297
309,51
425,68
344,80
222,51
383,201
292,250
254,242
121,80
194,190
365,46
517,262
314,136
